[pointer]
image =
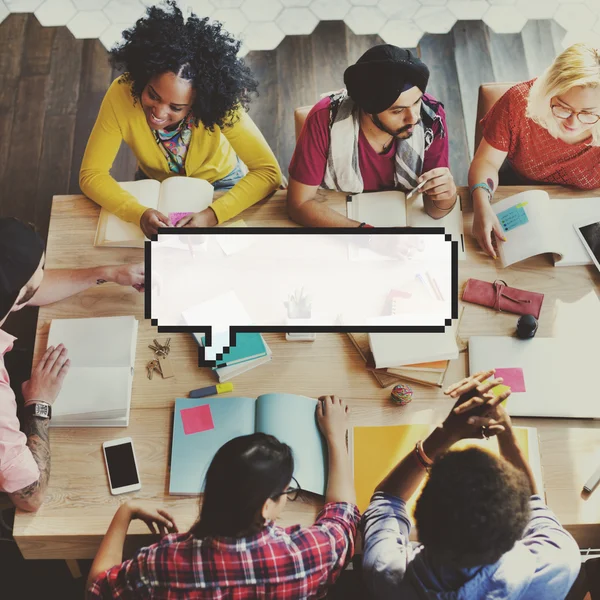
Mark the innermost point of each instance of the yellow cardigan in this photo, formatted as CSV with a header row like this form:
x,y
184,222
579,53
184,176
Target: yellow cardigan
x,y
210,156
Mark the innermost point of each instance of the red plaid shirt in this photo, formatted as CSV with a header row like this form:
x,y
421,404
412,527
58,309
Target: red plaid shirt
x,y
290,563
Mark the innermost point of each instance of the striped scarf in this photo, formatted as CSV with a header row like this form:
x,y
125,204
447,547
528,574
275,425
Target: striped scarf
x,y
342,172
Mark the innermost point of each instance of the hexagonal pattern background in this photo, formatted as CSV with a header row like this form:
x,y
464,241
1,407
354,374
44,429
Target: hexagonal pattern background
x,y
262,24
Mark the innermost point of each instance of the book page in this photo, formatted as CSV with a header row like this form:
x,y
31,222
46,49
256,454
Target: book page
x,y
184,194
146,191
292,420
380,209
528,226
416,216
377,450
97,342
568,213
192,452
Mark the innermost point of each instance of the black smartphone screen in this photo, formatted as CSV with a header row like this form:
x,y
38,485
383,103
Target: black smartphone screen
x,y
121,465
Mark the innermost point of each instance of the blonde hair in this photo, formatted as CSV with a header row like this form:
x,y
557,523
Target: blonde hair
x,y
578,65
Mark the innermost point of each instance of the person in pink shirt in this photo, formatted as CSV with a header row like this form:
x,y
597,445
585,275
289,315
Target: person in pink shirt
x,y
383,132
25,457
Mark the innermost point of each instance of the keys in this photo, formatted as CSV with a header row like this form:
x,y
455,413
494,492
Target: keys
x,y
153,365
160,363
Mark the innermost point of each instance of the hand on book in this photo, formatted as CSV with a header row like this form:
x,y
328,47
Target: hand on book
x,y
151,220
486,226
159,521
47,376
205,218
477,412
332,417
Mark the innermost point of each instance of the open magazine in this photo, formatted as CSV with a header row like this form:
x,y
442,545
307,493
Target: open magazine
x,y
533,223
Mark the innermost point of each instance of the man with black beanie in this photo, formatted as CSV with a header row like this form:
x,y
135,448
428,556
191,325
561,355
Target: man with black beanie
x,y
382,132
25,457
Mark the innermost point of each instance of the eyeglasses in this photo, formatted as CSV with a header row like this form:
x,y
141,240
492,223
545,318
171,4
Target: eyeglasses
x,y
291,492
583,117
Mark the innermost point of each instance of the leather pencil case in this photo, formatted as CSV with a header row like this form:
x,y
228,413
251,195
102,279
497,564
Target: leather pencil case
x,y
501,297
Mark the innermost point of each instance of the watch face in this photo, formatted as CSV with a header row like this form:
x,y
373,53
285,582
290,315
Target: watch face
x,y
42,410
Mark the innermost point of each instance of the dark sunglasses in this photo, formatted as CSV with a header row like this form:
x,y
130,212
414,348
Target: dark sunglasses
x,y
291,492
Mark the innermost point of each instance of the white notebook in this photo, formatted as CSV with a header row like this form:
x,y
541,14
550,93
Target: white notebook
x,y
175,194
97,389
533,223
390,209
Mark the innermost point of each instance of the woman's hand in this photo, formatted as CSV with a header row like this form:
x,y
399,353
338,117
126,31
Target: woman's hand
x,y
159,521
332,418
206,218
477,412
486,225
151,220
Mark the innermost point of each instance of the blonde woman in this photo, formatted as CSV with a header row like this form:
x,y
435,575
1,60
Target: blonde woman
x,y
548,129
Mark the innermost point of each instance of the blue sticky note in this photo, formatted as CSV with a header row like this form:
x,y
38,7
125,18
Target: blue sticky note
x,y
513,217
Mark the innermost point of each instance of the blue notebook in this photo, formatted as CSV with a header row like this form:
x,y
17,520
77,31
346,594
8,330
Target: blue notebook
x,y
290,418
248,346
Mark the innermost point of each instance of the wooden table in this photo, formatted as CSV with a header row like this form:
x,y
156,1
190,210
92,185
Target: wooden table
x,y
79,507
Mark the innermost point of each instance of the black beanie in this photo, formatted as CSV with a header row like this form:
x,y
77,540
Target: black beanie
x,y
381,74
21,250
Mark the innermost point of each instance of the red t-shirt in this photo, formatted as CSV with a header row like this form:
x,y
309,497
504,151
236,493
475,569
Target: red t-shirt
x,y
532,151
377,170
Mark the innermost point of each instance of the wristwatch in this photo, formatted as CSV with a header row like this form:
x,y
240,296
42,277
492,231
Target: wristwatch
x,y
39,409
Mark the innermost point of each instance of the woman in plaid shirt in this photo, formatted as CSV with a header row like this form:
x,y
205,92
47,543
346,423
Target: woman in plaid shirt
x,y
235,550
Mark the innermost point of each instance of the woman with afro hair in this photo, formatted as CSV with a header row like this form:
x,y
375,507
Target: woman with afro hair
x,y
181,107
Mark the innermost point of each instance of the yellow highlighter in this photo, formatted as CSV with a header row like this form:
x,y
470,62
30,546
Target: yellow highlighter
x,y
220,388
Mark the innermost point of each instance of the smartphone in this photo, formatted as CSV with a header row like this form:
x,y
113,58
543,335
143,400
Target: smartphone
x,y
121,466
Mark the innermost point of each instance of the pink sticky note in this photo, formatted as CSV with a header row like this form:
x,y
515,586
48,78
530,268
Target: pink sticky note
x,y
175,217
197,419
513,378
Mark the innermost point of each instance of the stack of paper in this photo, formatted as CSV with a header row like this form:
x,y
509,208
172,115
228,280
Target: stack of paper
x,y
97,389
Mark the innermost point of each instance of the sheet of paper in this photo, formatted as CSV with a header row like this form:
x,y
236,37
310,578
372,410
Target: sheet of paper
x,y
197,419
185,194
513,378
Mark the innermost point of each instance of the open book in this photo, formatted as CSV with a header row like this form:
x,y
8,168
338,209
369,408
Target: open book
x,y
377,450
202,426
533,223
390,209
173,195
96,391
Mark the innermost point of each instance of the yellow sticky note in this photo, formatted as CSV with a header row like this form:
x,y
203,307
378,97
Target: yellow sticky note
x,y
500,389
521,205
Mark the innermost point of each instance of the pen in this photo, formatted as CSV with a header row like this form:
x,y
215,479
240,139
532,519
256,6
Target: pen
x,y
592,482
415,190
435,286
220,388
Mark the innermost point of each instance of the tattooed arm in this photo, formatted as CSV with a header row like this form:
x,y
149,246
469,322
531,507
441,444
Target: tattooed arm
x,y
45,383
63,283
30,498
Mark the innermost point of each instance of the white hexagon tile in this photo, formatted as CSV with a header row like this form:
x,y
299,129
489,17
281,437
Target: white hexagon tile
x,y
262,24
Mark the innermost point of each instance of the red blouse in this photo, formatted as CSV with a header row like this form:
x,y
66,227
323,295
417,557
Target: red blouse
x,y
532,151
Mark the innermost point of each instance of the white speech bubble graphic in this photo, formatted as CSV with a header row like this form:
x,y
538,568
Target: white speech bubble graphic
x,y
223,281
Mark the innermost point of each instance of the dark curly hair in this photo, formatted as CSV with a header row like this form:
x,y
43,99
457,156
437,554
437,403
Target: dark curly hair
x,y
473,508
198,51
